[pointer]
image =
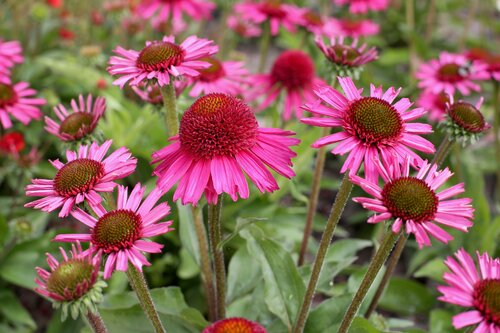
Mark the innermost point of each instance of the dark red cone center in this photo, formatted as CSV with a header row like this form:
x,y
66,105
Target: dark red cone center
x,y
8,95
450,73
293,69
212,73
160,56
78,176
487,299
467,116
117,230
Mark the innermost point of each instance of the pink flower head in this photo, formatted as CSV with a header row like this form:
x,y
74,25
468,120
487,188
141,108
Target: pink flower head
x,y
270,10
491,60
312,21
70,279
85,174
350,28
341,53
372,126
162,10
435,104
79,122
451,72
363,6
17,101
415,202
119,232
10,54
476,289
235,324
293,73
161,59
227,77
243,27
219,141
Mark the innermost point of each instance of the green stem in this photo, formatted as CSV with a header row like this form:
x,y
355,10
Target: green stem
x,y
410,22
496,131
96,323
169,99
431,16
206,267
214,225
313,202
375,265
264,47
335,214
443,150
140,286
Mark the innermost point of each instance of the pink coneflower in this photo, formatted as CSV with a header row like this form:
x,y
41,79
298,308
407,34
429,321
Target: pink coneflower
x,y
219,139
163,10
161,59
450,72
351,28
235,325
85,174
79,122
227,77
293,73
243,27
347,55
312,21
270,10
10,54
73,283
119,233
414,202
17,101
479,292
435,104
491,60
363,6
372,126
151,92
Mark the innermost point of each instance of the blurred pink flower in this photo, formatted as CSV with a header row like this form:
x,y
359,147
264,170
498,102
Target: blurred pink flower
x,y
161,59
413,202
491,60
350,28
85,174
219,139
341,53
371,126
475,289
435,104
312,21
243,27
10,54
17,101
363,6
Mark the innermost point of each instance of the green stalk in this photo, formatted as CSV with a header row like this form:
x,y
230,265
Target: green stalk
x,y
375,265
96,323
214,225
264,47
140,286
169,102
335,214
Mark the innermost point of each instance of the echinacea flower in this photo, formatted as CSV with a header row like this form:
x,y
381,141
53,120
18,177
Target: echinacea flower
x,y
10,54
16,101
273,11
161,59
12,143
226,77
235,325
220,140
292,73
414,203
372,126
243,27
464,122
363,6
451,72
86,173
491,60
79,122
312,21
435,104
119,233
478,290
72,284
350,28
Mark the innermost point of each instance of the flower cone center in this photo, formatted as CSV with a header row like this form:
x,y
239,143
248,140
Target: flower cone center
x,y
313,18
75,122
8,95
236,325
117,230
78,176
487,299
410,198
212,73
374,120
351,53
450,73
272,8
71,279
216,125
160,56
467,116
293,69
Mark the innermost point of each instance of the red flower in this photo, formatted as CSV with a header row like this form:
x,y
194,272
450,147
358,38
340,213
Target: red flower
x,y
66,34
55,3
12,142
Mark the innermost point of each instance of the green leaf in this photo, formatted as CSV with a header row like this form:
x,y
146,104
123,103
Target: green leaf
x,y
415,297
440,321
243,274
241,223
362,325
284,288
13,311
68,326
187,232
328,313
433,269
4,229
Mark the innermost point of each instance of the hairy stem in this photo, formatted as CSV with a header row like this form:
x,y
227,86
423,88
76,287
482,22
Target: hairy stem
x,y
95,321
169,102
214,225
